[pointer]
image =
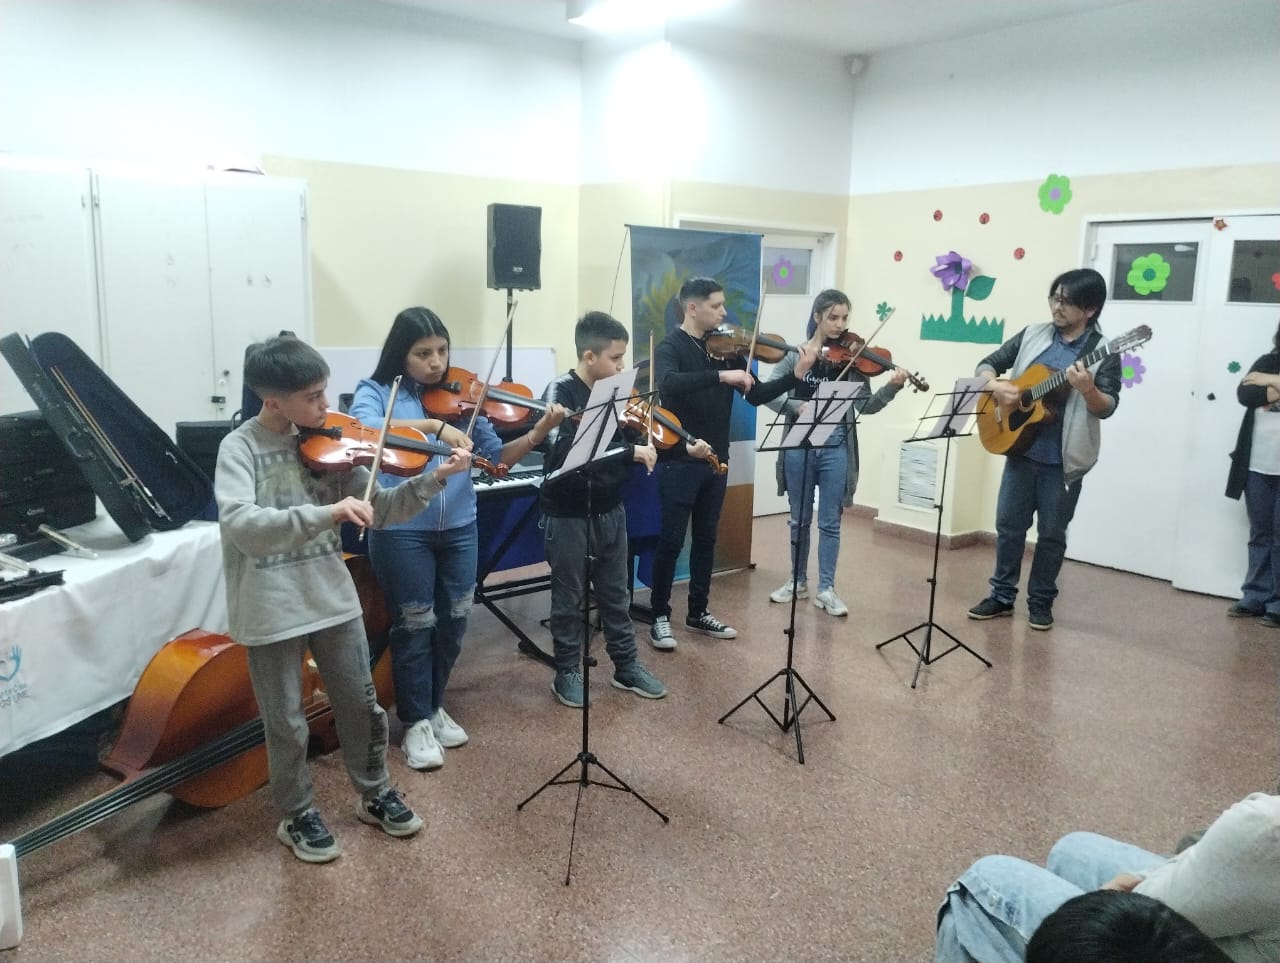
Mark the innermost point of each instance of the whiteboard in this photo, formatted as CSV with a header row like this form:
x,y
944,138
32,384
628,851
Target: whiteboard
x,y
533,367
47,277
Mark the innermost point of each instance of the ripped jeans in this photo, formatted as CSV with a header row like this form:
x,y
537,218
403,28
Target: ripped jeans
x,y
429,579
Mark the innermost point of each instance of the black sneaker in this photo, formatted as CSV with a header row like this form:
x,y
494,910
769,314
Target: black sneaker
x,y
1270,620
1239,610
387,809
1040,618
309,838
708,624
990,608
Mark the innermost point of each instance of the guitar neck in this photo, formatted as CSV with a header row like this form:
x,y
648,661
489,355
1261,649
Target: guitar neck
x,y
1059,378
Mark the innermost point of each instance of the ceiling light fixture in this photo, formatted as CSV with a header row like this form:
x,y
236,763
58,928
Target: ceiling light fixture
x,y
618,16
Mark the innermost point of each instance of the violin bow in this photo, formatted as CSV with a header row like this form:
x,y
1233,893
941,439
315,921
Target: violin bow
x,y
382,443
652,388
484,390
854,357
755,332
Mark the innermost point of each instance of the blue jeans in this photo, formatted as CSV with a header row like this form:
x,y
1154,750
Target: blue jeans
x,y
828,469
991,912
1026,488
1261,588
566,541
689,490
417,569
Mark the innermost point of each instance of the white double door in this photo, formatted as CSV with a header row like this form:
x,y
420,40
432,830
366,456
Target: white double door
x,y
1154,503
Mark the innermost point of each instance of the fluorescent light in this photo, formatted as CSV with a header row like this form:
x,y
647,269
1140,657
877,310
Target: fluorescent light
x,y
617,16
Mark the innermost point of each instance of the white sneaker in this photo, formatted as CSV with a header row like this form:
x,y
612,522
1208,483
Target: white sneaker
x,y
783,592
660,636
421,750
447,732
827,599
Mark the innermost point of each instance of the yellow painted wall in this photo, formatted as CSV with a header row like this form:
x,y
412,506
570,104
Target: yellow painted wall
x,y
881,224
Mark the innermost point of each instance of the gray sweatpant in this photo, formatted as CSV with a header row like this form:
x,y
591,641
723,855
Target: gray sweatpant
x,y
341,654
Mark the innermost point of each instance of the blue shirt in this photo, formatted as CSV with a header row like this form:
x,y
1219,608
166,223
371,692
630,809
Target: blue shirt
x,y
1047,446
456,505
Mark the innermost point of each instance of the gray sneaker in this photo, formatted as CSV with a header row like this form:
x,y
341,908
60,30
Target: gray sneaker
x,y
636,678
660,636
567,687
308,837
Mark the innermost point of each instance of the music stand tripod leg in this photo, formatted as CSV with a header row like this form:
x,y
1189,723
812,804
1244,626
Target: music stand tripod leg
x,y
585,758
791,706
924,654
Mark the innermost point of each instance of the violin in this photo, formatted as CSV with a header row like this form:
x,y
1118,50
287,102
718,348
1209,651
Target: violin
x,y
342,443
665,428
849,347
730,341
454,398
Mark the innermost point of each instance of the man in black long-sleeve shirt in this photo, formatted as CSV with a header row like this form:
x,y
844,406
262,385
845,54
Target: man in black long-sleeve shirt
x,y
698,389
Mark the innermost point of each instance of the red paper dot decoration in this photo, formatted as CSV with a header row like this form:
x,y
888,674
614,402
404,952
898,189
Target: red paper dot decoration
x,y
937,215
1019,254
983,218
897,255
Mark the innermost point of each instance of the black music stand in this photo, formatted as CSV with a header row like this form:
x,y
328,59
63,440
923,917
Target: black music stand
x,y
599,424
960,404
824,413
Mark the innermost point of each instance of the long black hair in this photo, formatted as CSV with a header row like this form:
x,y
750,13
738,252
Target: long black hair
x,y
410,326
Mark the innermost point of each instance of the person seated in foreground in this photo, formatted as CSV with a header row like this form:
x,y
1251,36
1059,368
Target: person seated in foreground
x,y
1227,884
1112,926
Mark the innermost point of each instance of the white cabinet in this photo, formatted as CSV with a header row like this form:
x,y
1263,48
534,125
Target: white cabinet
x,y
163,279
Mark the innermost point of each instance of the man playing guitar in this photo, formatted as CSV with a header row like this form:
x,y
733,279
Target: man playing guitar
x,y
1043,478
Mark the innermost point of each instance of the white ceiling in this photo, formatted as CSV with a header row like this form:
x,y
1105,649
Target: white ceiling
x,y
835,26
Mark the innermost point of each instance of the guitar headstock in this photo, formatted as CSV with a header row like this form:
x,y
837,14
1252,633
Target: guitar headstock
x,y
1130,339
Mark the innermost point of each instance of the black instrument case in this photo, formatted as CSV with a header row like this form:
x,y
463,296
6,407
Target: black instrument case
x,y
144,480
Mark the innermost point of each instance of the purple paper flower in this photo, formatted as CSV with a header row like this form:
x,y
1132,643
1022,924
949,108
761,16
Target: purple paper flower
x,y
1131,369
952,270
782,272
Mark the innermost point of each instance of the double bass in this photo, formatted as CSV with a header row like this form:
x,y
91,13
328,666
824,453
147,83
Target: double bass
x,y
192,727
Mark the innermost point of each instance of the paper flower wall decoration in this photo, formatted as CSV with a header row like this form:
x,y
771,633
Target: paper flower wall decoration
x,y
782,273
1233,367
883,310
1055,193
1148,274
1131,370
952,270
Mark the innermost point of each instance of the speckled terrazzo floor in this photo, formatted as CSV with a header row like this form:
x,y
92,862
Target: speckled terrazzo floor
x,y
1142,714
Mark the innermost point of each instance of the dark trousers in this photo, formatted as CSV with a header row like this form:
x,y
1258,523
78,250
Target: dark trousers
x,y
690,491
1032,488
568,542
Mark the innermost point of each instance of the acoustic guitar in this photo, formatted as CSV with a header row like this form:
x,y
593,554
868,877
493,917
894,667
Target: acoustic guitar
x,y
1042,392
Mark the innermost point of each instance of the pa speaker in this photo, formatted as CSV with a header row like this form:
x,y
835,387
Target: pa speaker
x,y
515,247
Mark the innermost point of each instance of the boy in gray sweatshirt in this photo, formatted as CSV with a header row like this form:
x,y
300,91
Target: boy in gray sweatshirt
x,y
288,590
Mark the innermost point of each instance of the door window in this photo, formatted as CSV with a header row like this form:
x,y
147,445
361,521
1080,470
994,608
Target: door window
x,y
1154,272
1255,273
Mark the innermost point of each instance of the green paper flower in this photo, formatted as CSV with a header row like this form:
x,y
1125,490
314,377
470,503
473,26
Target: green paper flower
x,y
882,310
1148,274
1233,367
1055,193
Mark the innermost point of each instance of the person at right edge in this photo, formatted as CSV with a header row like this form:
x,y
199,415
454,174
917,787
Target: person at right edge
x,y
1045,480
698,389
1255,473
